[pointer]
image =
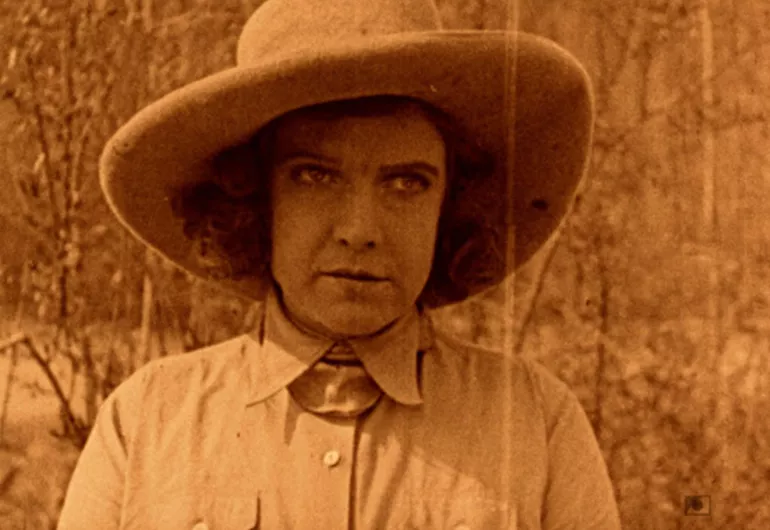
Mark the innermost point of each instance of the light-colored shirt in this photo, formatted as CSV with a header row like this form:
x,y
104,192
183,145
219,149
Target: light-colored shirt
x,y
461,438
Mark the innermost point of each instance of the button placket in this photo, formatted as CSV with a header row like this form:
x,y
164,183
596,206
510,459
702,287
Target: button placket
x,y
320,453
334,443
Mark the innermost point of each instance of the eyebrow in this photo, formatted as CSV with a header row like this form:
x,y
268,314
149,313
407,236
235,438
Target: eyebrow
x,y
405,167
307,154
411,166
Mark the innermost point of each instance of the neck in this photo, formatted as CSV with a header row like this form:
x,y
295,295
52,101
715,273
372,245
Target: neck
x,y
315,329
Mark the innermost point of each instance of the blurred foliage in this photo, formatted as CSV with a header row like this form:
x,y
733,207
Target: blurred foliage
x,y
652,303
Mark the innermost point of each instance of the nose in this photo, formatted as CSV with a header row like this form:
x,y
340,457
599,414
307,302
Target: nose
x,y
357,225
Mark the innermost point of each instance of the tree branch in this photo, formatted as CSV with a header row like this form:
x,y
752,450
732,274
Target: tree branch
x,y
13,340
22,338
620,138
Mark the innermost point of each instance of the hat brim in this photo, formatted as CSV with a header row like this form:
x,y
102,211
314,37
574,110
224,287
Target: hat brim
x,y
523,98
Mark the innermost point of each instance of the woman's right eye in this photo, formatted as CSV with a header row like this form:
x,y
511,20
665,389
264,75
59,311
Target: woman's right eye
x,y
313,175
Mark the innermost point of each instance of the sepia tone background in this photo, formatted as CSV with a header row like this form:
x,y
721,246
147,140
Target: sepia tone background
x,y
653,303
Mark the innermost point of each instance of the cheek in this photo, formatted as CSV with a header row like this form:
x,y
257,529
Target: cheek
x,y
290,237
300,230
418,239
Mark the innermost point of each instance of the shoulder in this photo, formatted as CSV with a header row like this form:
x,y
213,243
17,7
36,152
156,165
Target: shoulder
x,y
494,361
206,364
178,378
494,374
210,363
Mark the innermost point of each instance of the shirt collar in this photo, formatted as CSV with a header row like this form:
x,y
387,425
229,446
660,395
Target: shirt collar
x,y
279,352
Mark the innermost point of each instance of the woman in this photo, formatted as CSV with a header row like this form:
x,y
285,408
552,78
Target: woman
x,y
351,172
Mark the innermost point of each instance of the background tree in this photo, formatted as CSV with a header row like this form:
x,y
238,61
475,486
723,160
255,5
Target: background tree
x,y
641,300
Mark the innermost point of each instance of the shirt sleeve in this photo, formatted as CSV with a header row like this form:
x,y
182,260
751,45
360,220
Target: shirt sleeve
x,y
95,492
579,493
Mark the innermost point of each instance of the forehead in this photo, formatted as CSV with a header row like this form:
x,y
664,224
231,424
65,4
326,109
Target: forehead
x,y
402,130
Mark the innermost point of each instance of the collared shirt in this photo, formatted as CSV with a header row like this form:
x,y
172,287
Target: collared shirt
x,y
462,438
390,357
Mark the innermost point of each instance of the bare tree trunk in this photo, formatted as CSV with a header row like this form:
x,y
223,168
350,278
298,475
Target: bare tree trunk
x,y
162,324
601,348
7,392
707,95
93,382
530,303
23,284
711,236
147,12
145,333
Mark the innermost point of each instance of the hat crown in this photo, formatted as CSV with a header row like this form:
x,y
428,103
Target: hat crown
x,y
283,27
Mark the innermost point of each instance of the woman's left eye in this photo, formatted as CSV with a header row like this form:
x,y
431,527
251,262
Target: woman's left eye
x,y
408,183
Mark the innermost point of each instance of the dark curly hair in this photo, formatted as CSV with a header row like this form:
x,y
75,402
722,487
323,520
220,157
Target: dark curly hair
x,y
228,219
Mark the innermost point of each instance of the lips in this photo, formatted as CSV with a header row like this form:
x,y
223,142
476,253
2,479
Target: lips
x,y
360,275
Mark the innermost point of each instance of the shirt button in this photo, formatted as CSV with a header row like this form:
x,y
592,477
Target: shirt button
x,y
200,526
331,458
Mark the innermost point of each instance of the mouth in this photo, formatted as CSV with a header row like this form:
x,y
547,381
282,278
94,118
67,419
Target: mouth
x,y
355,275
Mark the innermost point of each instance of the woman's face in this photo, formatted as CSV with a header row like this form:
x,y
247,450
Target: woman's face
x,y
355,204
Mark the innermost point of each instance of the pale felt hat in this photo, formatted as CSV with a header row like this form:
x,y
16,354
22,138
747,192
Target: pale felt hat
x,y
522,98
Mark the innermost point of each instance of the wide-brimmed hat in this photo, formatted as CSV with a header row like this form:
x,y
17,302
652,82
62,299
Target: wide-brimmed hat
x,y
521,98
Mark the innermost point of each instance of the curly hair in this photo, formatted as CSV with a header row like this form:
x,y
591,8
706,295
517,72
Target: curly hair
x,y
228,219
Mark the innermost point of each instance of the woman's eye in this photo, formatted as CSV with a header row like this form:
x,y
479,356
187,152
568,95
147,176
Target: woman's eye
x,y
408,183
310,175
